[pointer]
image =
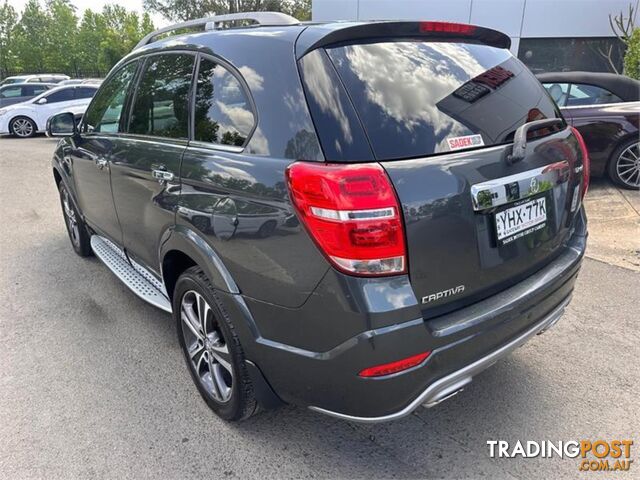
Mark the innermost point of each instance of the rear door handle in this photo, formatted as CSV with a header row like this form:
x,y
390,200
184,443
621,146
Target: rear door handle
x,y
162,175
520,137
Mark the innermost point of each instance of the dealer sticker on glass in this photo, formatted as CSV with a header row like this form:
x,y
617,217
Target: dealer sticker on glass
x,y
516,222
469,141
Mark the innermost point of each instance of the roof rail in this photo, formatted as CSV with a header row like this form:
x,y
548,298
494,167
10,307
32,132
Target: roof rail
x,y
209,23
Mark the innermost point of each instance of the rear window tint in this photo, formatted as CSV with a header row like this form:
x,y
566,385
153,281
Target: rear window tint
x,y
417,98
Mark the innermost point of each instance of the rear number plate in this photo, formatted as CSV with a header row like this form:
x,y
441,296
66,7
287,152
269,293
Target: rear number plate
x,y
516,222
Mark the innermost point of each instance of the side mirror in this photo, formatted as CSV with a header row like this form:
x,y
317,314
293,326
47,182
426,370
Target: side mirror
x,y
42,101
62,125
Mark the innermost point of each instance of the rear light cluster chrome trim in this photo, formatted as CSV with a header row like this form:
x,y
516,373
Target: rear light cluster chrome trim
x,y
390,265
346,215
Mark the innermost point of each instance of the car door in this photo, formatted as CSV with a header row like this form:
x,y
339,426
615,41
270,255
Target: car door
x,y
145,163
92,148
57,101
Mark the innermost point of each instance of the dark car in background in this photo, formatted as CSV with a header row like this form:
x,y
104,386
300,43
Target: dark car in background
x,y
605,108
21,92
437,190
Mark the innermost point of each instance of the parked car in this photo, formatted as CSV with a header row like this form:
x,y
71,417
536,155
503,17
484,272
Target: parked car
x,y
81,81
28,118
39,78
21,92
605,108
355,312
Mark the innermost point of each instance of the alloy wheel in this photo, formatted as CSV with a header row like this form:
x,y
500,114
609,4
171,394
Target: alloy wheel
x,y
628,165
22,127
206,348
70,218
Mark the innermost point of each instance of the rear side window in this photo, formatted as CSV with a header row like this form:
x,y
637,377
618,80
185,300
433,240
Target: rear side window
x,y
161,105
64,95
559,92
590,95
222,110
417,98
11,92
104,112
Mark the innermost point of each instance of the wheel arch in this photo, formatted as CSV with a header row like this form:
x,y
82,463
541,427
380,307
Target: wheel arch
x,y
182,248
22,115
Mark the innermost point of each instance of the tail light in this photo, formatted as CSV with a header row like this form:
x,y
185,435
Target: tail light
x,y
448,27
395,367
352,213
586,162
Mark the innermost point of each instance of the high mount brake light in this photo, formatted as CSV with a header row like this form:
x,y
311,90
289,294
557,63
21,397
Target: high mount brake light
x,y
394,367
447,27
352,213
586,161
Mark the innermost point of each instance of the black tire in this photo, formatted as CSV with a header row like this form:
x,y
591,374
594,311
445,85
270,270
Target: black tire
x,y
241,403
22,127
626,158
76,228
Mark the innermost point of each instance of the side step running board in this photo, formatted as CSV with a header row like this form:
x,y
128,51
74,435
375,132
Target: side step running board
x,y
142,283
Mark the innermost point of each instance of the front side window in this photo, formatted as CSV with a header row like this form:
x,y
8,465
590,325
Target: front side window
x,y
103,115
64,95
84,92
223,113
559,92
590,95
161,105
33,90
11,92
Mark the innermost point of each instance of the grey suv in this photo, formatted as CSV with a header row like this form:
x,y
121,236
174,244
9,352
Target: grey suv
x,y
353,217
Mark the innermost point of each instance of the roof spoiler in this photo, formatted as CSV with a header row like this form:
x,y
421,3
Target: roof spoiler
x,y
211,23
323,35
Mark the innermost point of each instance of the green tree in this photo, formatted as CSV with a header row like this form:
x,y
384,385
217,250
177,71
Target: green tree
x,y
123,31
8,20
179,10
91,31
52,39
62,38
30,38
632,57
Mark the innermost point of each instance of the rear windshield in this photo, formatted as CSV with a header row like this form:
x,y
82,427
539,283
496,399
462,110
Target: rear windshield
x,y
417,98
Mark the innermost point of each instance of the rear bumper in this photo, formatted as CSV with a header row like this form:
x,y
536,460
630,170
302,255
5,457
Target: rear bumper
x,y
455,382
305,365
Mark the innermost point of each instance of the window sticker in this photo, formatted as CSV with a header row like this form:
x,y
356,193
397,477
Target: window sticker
x,y
469,141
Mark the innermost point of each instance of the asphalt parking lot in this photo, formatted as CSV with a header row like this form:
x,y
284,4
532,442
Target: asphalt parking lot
x,y
93,384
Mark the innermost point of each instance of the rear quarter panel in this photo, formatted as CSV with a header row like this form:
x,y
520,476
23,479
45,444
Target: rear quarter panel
x,y
604,127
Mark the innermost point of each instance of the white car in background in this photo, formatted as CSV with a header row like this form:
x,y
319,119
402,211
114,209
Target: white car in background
x,y
39,78
28,118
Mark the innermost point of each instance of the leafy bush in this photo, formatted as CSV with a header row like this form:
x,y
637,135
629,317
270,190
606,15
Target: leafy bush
x,y
632,56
